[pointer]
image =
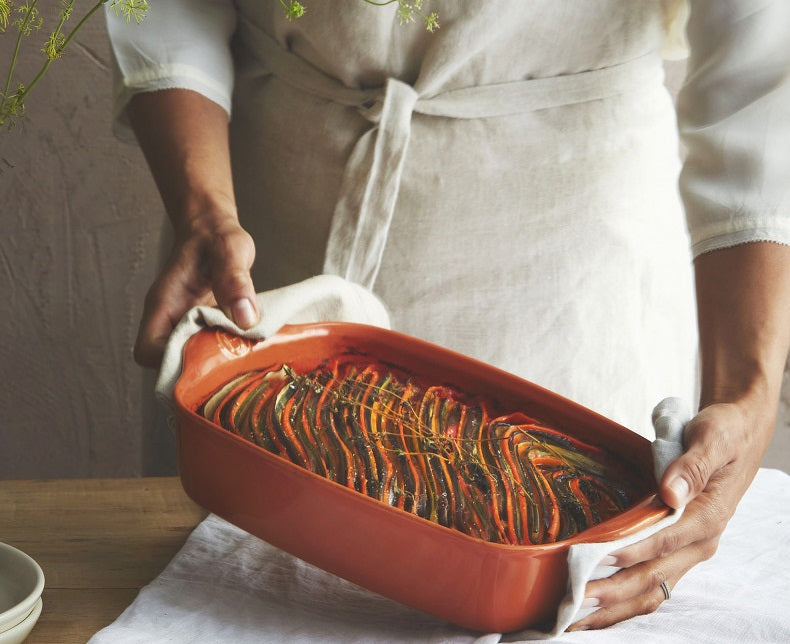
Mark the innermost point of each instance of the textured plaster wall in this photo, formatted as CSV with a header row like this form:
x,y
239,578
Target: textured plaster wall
x,y
78,247
80,224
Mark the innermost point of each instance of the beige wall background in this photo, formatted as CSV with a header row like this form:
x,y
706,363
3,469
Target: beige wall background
x,y
79,244
78,248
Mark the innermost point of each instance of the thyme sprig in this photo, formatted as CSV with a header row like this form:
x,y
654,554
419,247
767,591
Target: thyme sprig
x,y
459,451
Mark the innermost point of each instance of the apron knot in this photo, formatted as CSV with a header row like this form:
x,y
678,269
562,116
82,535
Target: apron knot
x,y
396,97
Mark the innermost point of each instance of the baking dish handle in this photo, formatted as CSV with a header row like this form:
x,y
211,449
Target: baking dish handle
x,y
212,347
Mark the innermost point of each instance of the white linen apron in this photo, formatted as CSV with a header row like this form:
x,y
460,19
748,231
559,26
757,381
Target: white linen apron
x,y
507,185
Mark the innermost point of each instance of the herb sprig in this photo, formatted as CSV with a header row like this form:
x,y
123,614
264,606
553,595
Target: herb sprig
x,y
25,17
407,11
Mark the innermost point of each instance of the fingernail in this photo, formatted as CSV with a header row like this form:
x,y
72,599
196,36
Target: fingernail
x,y
608,560
243,313
590,602
680,489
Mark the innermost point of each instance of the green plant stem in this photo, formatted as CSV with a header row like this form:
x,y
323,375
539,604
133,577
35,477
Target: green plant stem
x,y
84,19
63,17
14,56
69,38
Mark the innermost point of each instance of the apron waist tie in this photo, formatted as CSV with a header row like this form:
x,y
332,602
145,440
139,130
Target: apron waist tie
x,y
371,180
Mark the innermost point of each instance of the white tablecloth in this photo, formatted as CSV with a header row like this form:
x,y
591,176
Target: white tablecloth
x,y
227,586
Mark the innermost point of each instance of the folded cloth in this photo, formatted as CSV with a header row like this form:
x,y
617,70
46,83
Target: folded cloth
x,y
669,420
227,586
320,298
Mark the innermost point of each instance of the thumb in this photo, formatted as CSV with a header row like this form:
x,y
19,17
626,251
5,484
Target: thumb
x,y
233,253
705,454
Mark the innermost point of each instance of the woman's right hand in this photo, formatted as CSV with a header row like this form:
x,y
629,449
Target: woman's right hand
x,y
209,265
184,137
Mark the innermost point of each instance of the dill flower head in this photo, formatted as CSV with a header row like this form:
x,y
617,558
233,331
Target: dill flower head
x,y
130,9
407,11
24,15
293,9
53,48
5,14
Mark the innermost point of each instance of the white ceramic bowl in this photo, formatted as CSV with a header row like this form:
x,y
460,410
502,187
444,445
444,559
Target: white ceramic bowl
x,y
17,634
21,585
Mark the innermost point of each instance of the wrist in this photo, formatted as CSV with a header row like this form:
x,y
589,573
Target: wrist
x,y
746,385
205,216
750,390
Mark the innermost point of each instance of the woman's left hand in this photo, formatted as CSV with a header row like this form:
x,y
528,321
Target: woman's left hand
x,y
724,446
744,323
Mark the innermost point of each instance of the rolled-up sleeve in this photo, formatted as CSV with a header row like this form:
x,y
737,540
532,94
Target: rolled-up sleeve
x,y
734,119
181,44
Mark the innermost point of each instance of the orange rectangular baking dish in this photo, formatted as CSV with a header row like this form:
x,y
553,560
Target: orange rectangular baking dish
x,y
477,584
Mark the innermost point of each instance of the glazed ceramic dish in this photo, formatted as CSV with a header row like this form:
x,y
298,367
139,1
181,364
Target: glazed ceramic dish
x,y
21,585
466,580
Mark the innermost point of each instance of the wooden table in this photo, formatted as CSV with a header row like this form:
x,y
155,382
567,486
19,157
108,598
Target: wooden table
x,y
97,540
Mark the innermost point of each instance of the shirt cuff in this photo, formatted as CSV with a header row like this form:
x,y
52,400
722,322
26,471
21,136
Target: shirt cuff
x,y
775,234
160,77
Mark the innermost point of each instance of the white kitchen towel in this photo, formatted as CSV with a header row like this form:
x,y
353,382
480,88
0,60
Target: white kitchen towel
x,y
227,586
323,298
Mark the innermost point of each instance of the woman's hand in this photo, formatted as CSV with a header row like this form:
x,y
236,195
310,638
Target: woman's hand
x,y
724,446
744,322
208,265
184,137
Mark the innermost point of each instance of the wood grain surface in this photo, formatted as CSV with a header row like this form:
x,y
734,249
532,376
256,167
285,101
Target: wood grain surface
x,y
97,540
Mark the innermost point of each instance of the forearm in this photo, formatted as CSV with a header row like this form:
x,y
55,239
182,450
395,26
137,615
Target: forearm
x,y
184,137
744,319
